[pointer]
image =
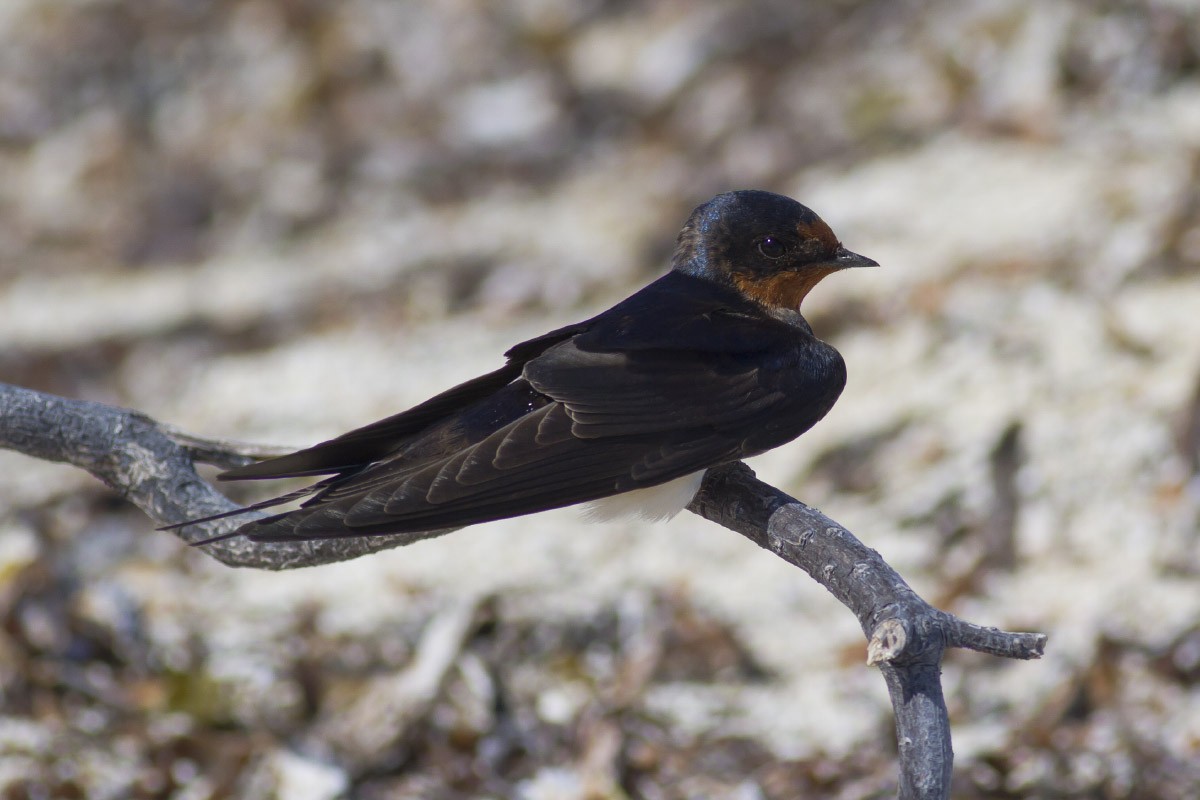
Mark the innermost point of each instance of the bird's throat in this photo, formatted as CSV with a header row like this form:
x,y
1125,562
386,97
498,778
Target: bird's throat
x,y
783,290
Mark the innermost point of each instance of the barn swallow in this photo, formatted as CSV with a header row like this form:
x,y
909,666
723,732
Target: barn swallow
x,y
710,363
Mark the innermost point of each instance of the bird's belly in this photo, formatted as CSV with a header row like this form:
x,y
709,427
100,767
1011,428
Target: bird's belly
x,y
655,503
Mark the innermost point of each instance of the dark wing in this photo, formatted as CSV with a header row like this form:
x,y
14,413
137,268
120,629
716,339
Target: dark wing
x,y
610,422
381,439
671,313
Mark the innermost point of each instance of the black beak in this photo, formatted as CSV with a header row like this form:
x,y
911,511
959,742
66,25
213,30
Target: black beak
x,y
844,259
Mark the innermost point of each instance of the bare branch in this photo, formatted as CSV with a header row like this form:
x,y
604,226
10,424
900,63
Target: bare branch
x,y
147,465
152,466
906,636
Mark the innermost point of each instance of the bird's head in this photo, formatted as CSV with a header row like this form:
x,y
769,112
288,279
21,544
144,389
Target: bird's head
x,y
769,247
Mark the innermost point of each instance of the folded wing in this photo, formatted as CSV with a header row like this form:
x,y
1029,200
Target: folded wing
x,y
611,422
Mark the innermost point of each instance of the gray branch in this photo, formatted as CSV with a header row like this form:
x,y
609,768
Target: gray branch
x,y
906,637
152,466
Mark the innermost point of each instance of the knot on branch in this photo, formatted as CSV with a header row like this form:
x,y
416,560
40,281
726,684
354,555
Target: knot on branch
x,y
887,643
909,635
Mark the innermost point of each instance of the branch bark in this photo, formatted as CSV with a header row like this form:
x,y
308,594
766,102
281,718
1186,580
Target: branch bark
x,y
152,466
906,637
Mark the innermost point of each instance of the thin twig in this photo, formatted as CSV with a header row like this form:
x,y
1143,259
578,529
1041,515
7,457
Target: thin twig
x,y
225,453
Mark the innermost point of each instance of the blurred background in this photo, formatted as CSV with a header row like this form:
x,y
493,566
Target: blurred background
x,y
275,220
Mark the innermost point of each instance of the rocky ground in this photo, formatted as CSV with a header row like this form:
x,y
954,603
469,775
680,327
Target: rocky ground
x,y
265,219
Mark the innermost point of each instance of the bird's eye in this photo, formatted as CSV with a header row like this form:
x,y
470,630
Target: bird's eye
x,y
771,247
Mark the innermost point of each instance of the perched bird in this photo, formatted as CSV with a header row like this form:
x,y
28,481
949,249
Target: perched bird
x,y
710,363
